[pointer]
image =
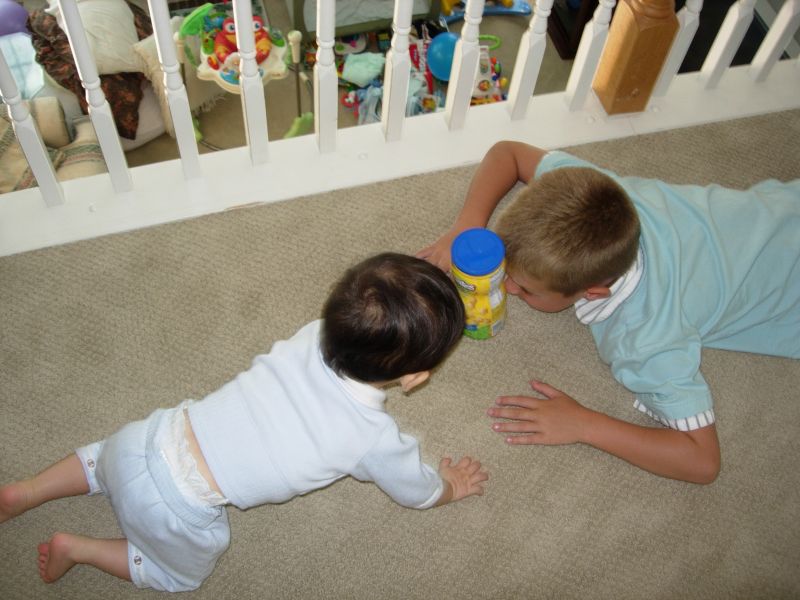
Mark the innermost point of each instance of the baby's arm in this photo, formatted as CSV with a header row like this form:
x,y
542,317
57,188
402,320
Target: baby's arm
x,y
559,419
395,464
461,480
505,164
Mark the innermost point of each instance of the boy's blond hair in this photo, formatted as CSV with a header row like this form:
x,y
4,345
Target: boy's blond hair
x,y
571,229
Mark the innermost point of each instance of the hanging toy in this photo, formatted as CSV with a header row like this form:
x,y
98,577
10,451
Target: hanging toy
x,y
208,41
225,48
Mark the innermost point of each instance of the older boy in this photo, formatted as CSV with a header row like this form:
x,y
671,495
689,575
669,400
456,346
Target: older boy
x,y
657,271
303,416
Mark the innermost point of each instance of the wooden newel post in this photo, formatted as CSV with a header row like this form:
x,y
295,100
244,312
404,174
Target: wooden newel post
x,y
639,40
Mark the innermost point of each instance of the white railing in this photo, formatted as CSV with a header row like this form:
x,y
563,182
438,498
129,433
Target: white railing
x,y
263,171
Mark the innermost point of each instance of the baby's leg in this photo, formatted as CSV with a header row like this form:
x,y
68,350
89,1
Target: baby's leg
x,y
65,550
59,480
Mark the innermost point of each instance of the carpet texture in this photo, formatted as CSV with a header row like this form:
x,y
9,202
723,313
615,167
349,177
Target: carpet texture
x,y
97,333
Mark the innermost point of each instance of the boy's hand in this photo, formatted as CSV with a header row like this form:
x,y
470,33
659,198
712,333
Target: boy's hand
x,y
438,253
557,419
461,480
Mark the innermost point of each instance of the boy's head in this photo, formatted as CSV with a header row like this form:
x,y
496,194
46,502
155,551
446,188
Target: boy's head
x,y
389,316
568,231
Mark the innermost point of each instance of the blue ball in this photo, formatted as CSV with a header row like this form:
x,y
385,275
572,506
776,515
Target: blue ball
x,y
440,55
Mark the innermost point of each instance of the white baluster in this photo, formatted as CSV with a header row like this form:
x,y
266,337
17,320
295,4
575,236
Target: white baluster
x,y
254,106
99,110
777,39
727,42
29,138
397,73
688,22
325,78
588,56
465,67
529,60
176,92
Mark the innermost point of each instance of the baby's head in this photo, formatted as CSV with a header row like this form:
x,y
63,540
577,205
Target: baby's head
x,y
567,232
389,316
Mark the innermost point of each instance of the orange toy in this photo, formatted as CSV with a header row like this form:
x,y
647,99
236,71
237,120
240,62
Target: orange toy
x,y
263,41
225,43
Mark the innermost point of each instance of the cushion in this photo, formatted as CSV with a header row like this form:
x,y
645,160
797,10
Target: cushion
x,y
15,174
78,158
151,122
81,157
110,31
146,53
50,120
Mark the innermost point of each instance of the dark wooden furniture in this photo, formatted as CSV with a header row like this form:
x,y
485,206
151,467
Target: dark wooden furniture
x,y
565,25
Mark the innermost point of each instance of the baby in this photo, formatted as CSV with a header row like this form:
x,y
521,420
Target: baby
x,y
303,416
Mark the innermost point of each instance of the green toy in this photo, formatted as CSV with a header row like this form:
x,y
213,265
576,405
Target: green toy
x,y
194,25
304,122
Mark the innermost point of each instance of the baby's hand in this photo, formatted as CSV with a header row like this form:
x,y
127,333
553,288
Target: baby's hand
x,y
463,479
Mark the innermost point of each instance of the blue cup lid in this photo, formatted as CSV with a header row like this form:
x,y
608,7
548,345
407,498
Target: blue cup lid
x,y
477,251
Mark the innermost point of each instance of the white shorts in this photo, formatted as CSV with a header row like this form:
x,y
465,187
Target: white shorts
x,y
174,539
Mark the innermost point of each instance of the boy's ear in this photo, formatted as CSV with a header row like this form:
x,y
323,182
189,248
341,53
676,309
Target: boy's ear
x,y
596,292
411,380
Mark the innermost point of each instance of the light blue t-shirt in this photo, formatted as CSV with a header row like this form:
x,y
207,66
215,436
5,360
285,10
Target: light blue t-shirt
x,y
721,269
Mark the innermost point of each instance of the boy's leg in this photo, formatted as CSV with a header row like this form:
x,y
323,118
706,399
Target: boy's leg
x,y
65,550
59,480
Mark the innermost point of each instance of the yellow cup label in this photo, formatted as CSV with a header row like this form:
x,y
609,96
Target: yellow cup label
x,y
484,299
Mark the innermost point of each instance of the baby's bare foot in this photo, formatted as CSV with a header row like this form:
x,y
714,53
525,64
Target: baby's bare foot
x,y
55,556
14,500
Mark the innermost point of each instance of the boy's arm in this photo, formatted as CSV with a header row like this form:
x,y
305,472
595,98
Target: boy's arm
x,y
558,419
505,164
686,455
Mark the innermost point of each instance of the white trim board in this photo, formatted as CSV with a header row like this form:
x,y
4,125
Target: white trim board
x,y
766,11
296,168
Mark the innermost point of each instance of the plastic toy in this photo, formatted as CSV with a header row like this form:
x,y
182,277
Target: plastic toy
x,y
369,106
13,18
207,37
440,55
384,41
423,96
421,102
442,48
365,102
494,39
304,122
418,52
490,85
350,44
454,10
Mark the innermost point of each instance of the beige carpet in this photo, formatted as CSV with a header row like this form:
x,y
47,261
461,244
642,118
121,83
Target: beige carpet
x,y
97,333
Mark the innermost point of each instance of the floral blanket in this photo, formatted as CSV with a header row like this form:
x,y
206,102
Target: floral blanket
x,y
123,91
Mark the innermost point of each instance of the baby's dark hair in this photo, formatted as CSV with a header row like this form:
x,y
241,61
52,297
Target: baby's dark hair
x,y
389,316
